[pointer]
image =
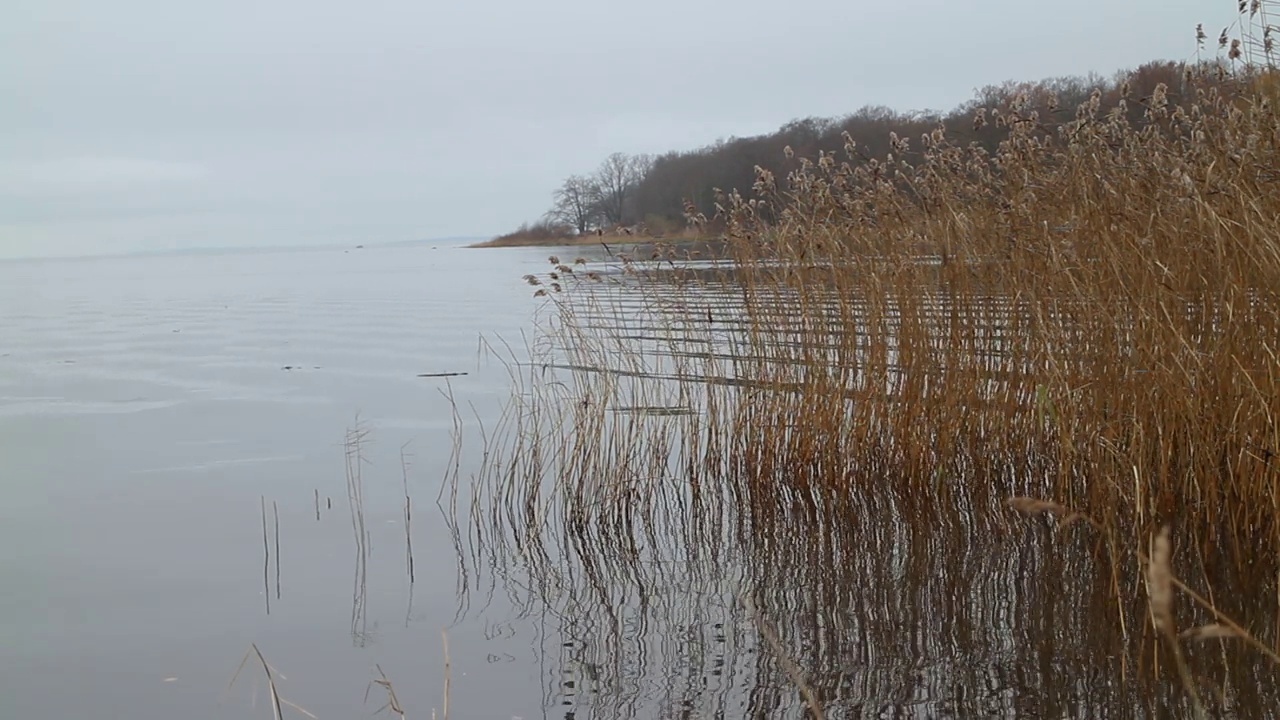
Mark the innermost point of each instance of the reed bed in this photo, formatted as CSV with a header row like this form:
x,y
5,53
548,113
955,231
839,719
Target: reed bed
x,y
1102,314
863,416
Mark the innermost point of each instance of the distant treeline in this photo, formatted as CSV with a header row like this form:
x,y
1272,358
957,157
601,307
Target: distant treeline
x,y
655,195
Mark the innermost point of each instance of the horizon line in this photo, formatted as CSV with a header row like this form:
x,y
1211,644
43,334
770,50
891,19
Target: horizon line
x,y
211,249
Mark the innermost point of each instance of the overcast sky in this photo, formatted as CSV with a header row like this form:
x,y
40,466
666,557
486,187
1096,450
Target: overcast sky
x,y
153,124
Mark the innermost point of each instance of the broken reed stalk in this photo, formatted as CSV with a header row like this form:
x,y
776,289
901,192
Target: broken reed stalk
x,y
1224,626
448,670
355,460
1160,596
266,555
789,666
393,702
271,685
277,702
408,513
450,482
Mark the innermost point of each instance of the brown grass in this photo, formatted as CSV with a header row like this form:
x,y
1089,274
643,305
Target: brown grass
x,y
1101,312
899,345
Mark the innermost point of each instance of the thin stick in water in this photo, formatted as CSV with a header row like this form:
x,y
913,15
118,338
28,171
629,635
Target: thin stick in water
x,y
444,636
408,513
788,665
277,702
393,702
266,557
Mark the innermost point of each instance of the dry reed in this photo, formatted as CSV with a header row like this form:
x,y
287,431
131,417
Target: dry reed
x,y
354,444
1088,315
408,515
393,702
278,703
266,555
788,664
448,672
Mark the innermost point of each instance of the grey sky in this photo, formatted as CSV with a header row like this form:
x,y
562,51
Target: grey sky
x,y
151,124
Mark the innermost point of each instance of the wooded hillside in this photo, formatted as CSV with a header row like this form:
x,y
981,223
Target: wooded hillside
x,y
651,195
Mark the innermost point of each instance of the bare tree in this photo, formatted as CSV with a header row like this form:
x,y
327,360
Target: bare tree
x,y
615,181
576,203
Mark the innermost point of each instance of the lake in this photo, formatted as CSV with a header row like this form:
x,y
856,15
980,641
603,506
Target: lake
x,y
148,404
177,446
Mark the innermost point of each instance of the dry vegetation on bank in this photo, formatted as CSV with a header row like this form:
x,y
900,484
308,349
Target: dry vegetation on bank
x,y
533,235
1083,323
549,234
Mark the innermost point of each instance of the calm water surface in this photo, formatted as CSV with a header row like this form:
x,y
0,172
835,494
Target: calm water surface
x,y
145,411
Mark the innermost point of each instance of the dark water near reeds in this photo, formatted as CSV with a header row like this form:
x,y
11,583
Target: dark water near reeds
x,y
151,406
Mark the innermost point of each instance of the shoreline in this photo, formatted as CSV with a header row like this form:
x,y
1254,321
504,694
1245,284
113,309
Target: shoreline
x,y
589,239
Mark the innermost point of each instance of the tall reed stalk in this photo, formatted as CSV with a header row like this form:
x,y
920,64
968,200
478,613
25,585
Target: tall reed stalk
x,y
355,460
